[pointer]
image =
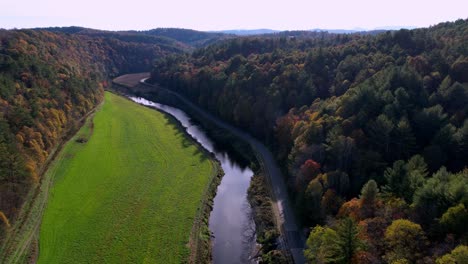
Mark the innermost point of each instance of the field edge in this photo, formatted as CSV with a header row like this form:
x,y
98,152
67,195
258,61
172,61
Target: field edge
x,y
22,241
200,236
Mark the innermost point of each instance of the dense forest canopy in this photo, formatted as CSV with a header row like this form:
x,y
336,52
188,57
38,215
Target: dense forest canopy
x,y
371,130
177,39
188,36
48,82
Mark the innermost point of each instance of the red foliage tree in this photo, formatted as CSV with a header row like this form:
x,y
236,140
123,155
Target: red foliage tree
x,y
308,171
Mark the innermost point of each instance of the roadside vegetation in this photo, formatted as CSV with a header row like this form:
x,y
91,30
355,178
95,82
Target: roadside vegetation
x,y
259,195
130,192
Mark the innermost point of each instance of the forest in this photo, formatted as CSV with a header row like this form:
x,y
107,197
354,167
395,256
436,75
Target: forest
x,y
49,81
370,129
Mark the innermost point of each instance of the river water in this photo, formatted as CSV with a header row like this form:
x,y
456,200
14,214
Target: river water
x,y
231,222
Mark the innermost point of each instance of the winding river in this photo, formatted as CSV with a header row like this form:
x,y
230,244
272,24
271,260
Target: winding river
x,y
231,222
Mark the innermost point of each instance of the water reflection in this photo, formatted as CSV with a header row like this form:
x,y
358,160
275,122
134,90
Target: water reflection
x,y
231,220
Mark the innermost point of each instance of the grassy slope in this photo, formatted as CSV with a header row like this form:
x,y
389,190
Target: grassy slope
x,y
128,195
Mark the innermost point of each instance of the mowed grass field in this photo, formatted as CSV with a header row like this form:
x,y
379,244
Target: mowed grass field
x,y
128,195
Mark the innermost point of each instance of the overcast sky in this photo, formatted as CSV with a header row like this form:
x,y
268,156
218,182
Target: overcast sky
x,y
234,14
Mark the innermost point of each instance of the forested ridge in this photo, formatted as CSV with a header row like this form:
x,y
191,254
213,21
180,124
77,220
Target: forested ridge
x,y
371,130
177,39
48,82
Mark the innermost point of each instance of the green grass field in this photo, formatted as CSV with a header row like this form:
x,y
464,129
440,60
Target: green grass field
x,y
128,195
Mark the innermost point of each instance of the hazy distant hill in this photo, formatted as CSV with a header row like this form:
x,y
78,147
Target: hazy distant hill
x,y
263,31
363,30
248,32
394,27
336,31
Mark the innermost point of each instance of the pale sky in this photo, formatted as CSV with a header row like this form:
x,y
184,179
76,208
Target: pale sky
x,y
234,14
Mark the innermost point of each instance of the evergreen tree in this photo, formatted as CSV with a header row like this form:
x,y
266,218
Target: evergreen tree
x,y
397,180
348,241
368,198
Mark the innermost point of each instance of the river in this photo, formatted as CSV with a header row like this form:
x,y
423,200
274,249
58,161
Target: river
x,y
231,221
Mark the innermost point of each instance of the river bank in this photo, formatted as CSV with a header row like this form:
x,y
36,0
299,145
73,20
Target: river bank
x,y
230,221
291,239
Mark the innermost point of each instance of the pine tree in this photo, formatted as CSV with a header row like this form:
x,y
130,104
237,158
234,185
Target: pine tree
x,y
348,241
368,196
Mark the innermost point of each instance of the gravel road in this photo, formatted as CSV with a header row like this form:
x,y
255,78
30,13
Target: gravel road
x,y
293,239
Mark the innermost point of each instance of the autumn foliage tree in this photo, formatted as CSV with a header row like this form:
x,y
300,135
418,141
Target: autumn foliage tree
x,y
458,255
322,246
406,241
308,171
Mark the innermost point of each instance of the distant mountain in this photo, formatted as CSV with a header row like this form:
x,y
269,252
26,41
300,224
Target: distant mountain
x,y
394,27
360,30
338,31
264,31
248,32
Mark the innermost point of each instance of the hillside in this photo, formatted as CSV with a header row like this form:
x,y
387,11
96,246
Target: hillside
x,y
372,128
188,36
177,39
48,82
163,42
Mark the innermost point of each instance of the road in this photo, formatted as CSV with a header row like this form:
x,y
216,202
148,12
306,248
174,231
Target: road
x,y
293,237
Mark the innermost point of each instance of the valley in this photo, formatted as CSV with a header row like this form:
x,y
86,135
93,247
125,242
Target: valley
x,y
172,145
291,236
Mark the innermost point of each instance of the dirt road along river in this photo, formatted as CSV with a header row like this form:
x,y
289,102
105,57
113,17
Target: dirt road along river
x,y
292,238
